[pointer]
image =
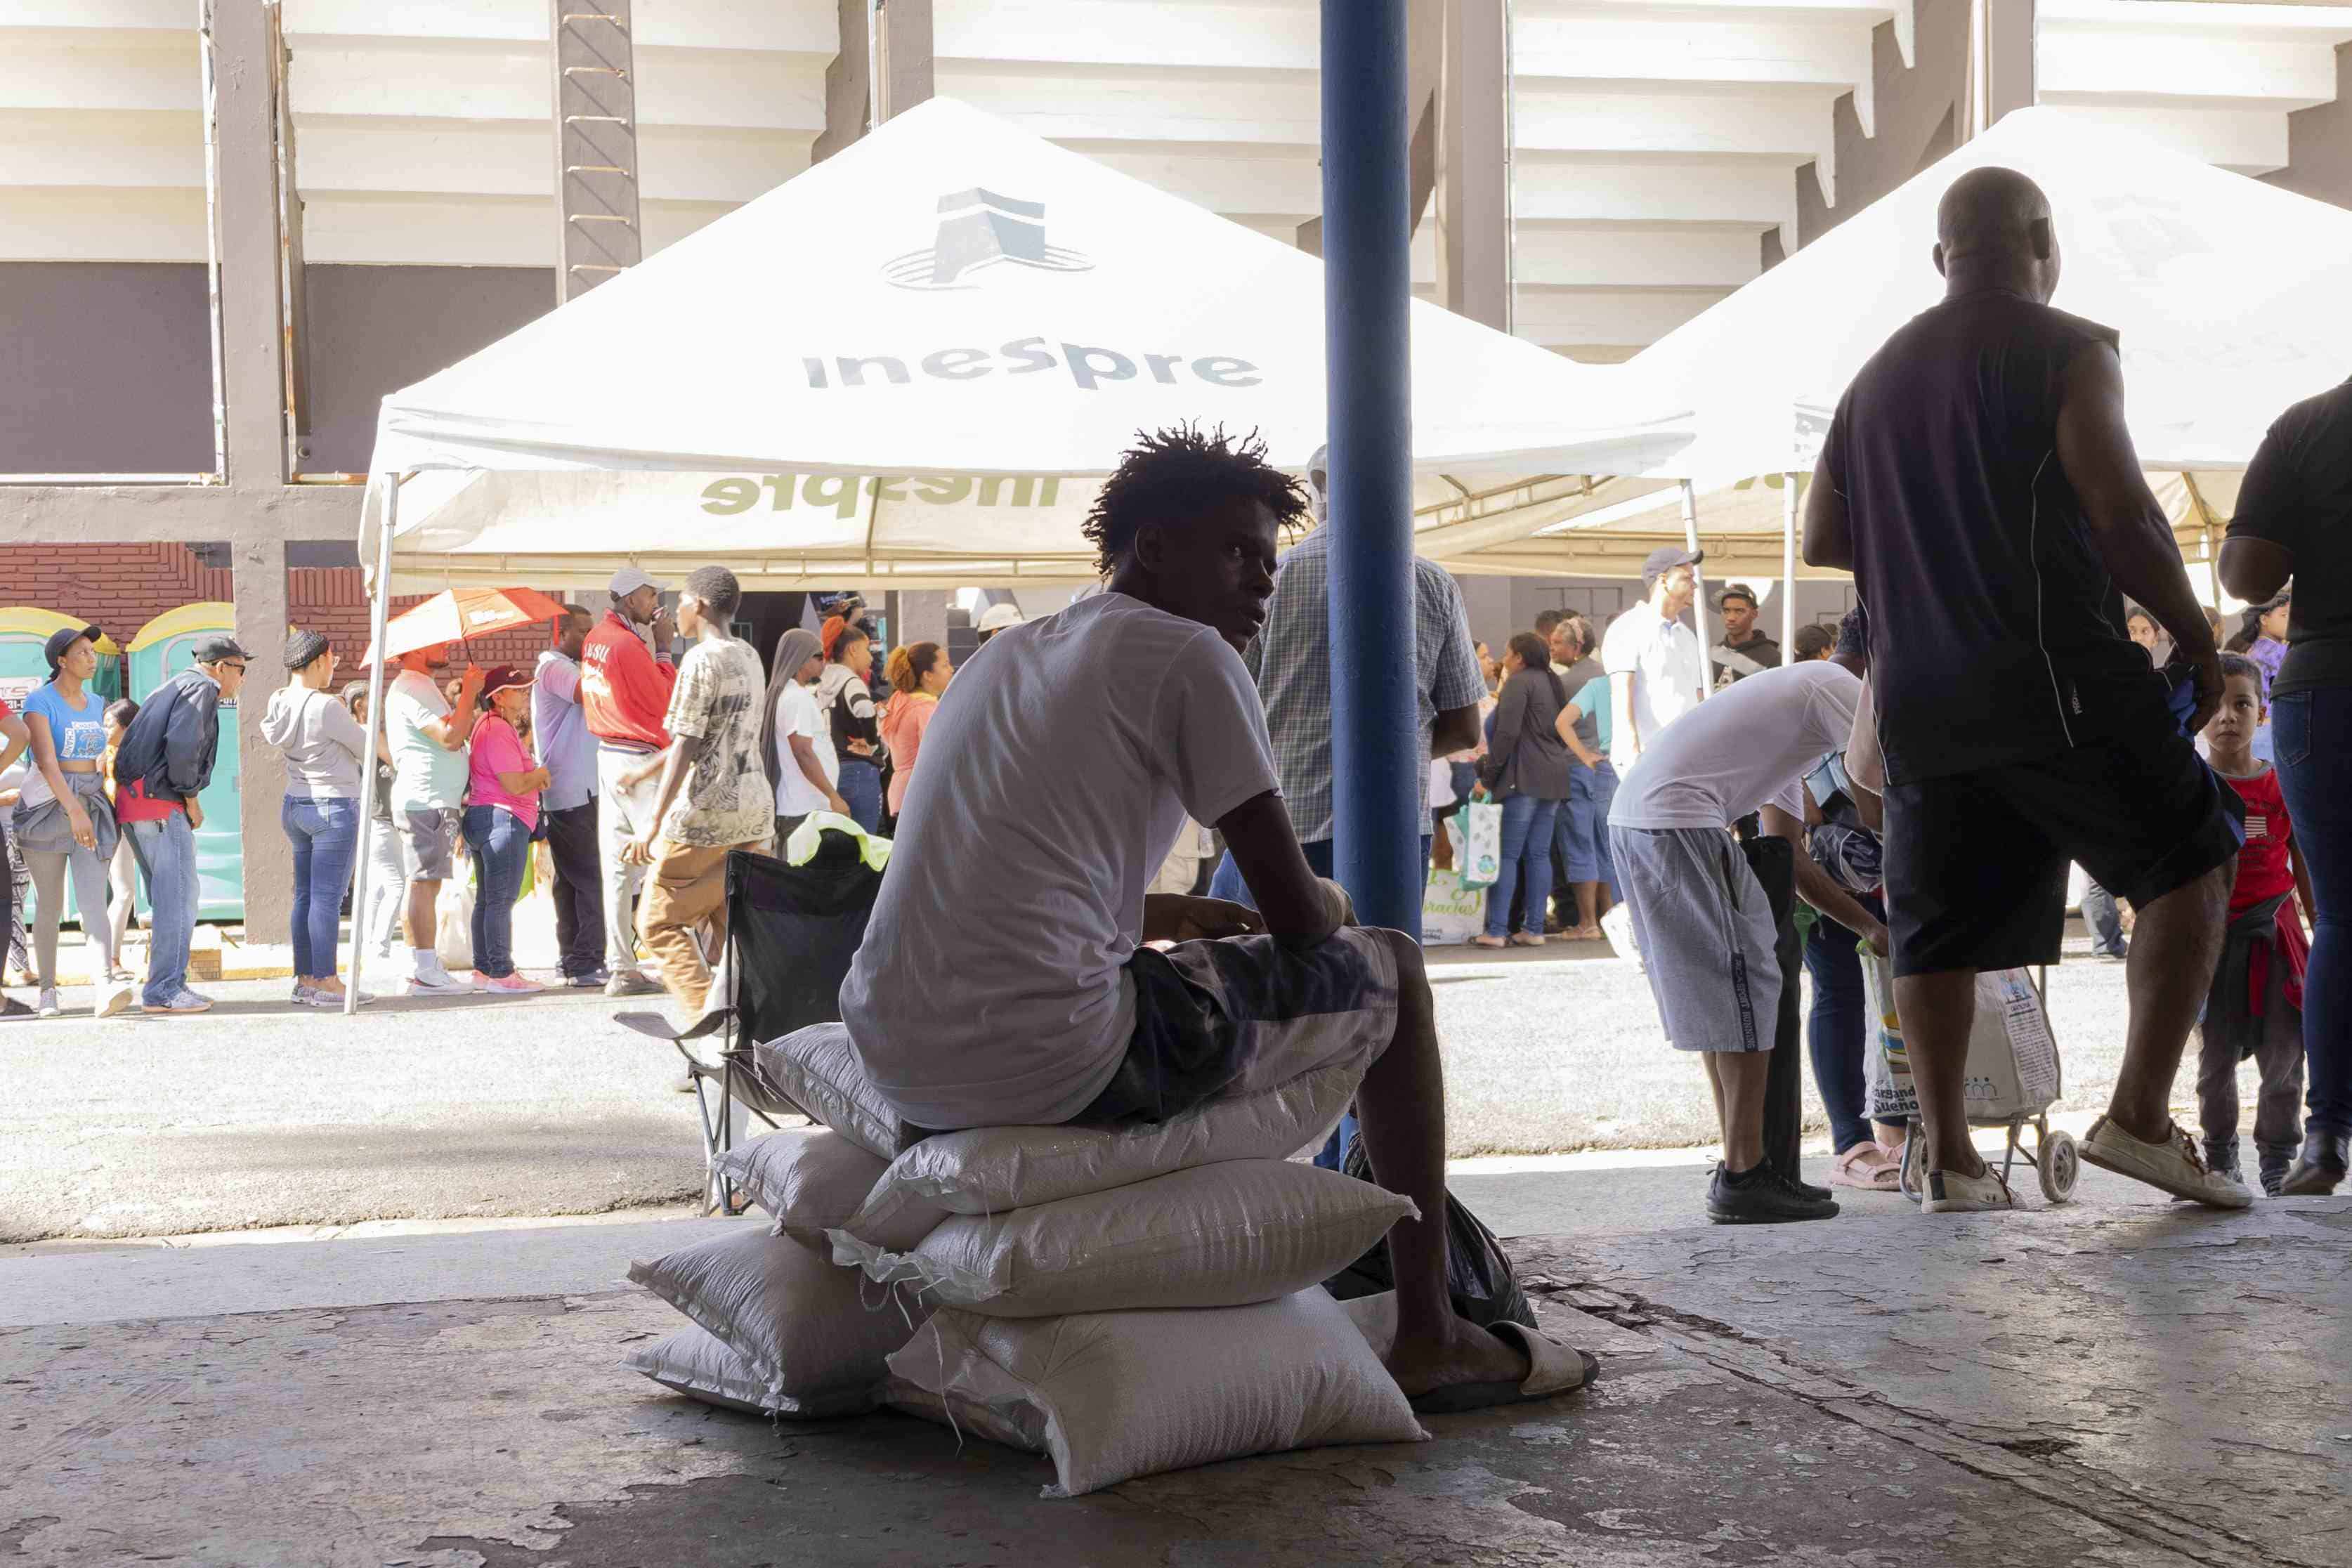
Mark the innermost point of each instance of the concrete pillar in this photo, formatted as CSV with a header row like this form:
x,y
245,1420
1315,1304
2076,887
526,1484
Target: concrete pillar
x,y
246,79
925,616
1473,165
2008,57
903,29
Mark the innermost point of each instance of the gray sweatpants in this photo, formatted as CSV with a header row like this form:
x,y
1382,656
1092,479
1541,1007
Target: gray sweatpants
x,y
1708,935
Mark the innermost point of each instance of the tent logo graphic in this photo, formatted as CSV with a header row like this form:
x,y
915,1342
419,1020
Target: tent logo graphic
x,y
979,229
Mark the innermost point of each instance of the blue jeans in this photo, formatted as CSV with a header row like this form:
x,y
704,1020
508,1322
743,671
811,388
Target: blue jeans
x,y
326,838
1527,853
501,844
2105,921
861,786
2312,731
1583,827
1837,1031
168,849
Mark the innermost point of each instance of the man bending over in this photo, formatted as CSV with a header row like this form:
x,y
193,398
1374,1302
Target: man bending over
x,y
1006,977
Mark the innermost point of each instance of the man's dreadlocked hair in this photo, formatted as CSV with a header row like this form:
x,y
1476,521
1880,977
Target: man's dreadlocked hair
x,y
1179,473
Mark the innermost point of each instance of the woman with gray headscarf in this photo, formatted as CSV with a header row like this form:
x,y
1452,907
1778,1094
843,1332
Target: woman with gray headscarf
x,y
324,750
795,741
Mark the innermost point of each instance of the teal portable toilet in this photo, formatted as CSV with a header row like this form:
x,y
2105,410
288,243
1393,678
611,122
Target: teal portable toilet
x,y
161,650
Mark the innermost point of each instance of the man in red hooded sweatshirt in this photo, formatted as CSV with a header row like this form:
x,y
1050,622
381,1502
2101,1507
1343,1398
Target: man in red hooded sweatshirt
x,y
624,688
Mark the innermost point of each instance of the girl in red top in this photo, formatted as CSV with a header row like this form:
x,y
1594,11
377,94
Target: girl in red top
x,y
2255,1006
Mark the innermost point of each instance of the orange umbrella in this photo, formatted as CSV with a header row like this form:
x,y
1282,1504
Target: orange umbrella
x,y
453,614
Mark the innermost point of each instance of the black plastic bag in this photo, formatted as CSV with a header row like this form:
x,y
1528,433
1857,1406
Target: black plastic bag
x,y
1477,1274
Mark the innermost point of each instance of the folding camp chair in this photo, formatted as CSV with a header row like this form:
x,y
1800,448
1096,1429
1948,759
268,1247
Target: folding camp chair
x,y
791,931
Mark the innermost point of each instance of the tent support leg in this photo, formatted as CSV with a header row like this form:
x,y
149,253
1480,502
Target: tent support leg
x,y
1789,568
1698,595
378,613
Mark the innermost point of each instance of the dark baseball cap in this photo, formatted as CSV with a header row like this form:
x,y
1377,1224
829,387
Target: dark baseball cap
x,y
65,638
1666,558
215,646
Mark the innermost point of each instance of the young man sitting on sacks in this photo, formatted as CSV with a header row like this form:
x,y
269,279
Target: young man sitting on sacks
x,y
1007,976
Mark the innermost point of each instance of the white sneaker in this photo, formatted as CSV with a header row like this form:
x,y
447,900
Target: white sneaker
x,y
48,1007
113,998
2174,1166
1948,1191
432,980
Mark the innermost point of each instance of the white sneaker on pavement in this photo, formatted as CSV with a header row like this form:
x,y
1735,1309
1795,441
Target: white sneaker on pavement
x,y
186,1001
48,1006
2175,1165
113,998
432,980
1949,1191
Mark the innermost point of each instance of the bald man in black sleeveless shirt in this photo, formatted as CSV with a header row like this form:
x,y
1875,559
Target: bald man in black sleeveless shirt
x,y
1979,482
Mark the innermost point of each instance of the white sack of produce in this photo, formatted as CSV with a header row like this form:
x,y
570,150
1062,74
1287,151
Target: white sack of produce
x,y
815,1334
1113,1395
697,1363
1216,1236
819,1072
989,1170
810,1178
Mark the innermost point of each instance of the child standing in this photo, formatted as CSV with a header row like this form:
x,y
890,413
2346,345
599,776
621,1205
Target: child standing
x,y
2255,1006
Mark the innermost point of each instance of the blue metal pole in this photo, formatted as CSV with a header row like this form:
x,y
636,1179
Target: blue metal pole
x,y
1377,753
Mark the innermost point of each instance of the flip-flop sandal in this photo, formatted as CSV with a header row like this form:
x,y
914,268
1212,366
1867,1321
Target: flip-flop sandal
x,y
1886,1176
1552,1369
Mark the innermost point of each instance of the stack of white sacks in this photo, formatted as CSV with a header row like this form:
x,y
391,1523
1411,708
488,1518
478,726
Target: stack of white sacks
x,y
1124,1301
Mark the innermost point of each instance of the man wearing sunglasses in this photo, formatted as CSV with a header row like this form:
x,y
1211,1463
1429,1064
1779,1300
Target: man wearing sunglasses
x,y
164,765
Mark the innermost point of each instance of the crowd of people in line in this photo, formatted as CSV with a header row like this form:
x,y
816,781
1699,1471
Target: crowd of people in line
x,y
637,767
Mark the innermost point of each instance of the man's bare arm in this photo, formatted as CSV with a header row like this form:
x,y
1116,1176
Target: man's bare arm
x,y
1295,904
1866,768
1456,729
2255,569
2128,529
1828,530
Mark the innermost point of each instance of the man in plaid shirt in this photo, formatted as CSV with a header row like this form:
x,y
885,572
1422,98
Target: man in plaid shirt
x,y
1291,661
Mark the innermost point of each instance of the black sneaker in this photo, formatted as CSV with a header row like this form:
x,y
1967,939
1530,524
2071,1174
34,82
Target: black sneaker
x,y
1760,1197
592,981
2325,1160
2275,1161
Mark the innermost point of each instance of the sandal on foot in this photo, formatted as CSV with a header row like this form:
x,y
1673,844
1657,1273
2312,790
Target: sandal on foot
x,y
1552,1369
1868,1167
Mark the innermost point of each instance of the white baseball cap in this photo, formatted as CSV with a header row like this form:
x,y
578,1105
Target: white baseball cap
x,y
628,580
997,617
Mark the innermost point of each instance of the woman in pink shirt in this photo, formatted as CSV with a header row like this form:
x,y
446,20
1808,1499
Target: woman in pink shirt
x,y
917,675
502,813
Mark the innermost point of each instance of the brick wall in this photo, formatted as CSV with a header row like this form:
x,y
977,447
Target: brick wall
x,y
120,587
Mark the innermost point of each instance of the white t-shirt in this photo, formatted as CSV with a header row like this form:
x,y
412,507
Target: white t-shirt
x,y
1747,748
992,989
424,773
796,714
1662,656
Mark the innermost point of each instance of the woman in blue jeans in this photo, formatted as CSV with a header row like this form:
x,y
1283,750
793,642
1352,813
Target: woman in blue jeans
x,y
1526,767
323,748
2294,519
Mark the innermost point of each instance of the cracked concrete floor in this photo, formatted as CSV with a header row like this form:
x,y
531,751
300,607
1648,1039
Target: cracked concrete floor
x,y
2114,1386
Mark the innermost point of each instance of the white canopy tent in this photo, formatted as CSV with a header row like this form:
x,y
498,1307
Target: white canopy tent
x,y
908,366
2228,294
890,370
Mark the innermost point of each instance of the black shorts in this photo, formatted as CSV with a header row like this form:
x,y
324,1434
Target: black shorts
x,y
1976,862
